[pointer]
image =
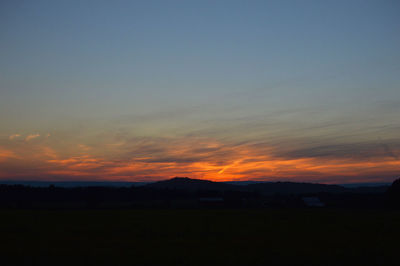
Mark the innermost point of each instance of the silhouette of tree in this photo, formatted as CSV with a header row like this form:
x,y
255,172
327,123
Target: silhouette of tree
x,y
393,194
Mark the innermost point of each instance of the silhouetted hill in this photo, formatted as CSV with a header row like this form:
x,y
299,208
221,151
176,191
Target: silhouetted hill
x,y
182,183
265,188
395,187
369,189
393,194
295,188
189,184
186,192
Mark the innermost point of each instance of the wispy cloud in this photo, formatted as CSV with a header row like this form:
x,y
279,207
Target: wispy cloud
x,y
6,154
14,136
368,150
31,137
123,156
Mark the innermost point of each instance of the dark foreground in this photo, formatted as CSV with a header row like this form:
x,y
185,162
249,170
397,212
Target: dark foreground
x,y
200,237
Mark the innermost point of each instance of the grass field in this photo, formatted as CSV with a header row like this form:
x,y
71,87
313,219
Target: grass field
x,y
199,237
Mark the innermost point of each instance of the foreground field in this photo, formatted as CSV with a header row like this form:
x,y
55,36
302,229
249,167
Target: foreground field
x,y
199,237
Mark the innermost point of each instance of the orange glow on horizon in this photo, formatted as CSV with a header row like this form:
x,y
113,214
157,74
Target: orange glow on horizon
x,y
194,158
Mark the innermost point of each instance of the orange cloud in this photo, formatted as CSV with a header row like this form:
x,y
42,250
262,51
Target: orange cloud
x,y
14,136
141,159
6,154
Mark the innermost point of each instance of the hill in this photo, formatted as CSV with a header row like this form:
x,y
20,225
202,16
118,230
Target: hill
x,y
264,188
294,188
189,184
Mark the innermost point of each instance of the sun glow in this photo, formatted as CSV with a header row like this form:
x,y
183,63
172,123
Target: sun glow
x,y
196,158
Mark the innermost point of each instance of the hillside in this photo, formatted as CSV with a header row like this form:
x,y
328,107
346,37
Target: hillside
x,y
189,184
264,188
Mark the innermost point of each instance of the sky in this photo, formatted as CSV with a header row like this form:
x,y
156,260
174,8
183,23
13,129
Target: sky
x,y
303,91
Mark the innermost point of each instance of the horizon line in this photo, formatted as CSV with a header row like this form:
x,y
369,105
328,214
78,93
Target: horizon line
x,y
3,181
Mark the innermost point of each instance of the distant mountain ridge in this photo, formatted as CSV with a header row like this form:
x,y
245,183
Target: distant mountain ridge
x,y
185,183
295,188
190,184
265,188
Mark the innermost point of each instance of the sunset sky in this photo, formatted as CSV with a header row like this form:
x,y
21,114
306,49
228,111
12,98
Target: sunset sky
x,y
305,91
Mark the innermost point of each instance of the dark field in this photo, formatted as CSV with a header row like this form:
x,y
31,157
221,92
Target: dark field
x,y
200,237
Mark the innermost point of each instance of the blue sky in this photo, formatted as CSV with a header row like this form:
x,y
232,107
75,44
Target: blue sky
x,y
307,79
